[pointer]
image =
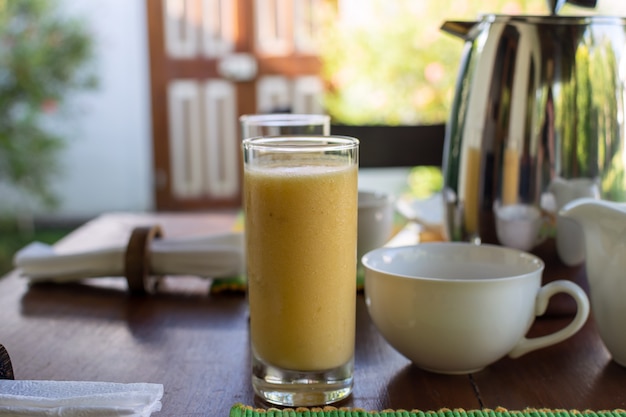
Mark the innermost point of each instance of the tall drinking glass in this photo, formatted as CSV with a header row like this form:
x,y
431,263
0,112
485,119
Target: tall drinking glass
x,y
279,124
300,200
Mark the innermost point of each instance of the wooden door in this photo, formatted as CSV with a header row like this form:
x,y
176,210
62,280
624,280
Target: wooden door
x,y
210,62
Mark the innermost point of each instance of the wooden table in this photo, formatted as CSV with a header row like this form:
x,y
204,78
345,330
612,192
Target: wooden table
x,y
196,343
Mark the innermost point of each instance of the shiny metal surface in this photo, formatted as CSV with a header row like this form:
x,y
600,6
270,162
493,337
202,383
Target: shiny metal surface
x,y
539,102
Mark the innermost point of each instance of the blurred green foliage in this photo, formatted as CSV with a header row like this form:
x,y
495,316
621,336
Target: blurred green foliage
x,y
424,181
43,57
388,62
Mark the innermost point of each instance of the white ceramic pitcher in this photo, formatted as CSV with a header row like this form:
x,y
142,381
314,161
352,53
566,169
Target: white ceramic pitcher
x,y
604,229
569,239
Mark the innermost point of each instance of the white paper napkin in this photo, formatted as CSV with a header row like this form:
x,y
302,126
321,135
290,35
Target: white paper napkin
x,y
78,398
215,256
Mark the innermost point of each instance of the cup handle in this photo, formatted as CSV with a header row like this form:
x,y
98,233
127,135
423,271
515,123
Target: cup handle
x,y
526,345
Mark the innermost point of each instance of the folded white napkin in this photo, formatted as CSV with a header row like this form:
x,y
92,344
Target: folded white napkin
x,y
78,398
215,256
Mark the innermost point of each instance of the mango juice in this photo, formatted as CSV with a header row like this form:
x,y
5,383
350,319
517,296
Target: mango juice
x,y
301,230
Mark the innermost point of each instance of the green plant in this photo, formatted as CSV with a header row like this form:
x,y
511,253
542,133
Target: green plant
x,y
43,57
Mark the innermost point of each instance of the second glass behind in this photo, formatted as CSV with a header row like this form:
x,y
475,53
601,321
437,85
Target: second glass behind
x,y
300,200
281,124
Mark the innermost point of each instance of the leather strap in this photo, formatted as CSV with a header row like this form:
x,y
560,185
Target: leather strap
x,y
137,259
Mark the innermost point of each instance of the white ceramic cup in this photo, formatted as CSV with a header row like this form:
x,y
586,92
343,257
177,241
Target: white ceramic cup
x,y
456,308
518,226
375,220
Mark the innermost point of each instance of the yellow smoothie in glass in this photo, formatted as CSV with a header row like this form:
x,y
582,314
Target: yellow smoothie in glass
x,y
301,228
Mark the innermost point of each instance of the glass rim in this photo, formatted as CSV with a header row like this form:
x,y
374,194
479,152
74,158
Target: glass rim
x,y
301,143
284,119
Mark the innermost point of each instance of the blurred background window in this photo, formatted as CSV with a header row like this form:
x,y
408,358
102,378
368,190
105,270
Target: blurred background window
x,y
388,62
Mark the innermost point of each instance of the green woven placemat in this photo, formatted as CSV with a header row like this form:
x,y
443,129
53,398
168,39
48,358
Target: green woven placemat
x,y
241,410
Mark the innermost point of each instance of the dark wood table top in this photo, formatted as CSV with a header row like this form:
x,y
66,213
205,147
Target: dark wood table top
x,y
196,343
